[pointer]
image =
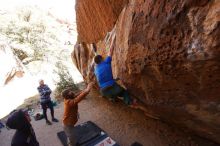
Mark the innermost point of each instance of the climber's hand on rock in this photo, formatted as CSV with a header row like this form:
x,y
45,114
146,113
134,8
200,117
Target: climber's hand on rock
x,y
93,45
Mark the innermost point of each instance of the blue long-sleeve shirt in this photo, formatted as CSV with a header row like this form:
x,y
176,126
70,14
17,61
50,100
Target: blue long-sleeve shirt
x,y
44,92
103,73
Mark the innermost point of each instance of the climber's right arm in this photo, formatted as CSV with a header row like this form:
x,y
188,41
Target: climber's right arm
x,y
112,46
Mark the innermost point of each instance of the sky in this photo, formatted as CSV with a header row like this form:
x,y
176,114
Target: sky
x,y
62,8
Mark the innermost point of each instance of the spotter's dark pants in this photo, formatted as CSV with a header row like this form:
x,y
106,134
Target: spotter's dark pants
x,y
45,105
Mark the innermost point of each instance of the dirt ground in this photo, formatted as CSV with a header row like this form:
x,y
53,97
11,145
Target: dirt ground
x,y
123,124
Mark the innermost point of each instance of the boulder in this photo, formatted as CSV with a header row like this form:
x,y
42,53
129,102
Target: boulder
x,y
95,18
167,55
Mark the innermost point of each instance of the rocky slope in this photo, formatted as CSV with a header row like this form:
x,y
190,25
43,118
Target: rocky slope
x,y
167,55
14,67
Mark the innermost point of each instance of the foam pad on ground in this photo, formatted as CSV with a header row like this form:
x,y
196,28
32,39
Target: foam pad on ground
x,y
62,137
88,134
84,133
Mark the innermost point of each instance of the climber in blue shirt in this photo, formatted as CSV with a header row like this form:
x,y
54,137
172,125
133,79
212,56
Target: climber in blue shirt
x,y
108,86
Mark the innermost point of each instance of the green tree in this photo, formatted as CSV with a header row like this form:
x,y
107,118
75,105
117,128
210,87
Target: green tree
x,y
65,80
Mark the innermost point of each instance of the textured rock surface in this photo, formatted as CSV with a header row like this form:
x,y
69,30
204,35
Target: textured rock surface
x,y
96,17
167,54
14,67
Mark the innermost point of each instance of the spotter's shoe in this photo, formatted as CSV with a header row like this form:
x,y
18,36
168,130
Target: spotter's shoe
x,y
55,120
48,122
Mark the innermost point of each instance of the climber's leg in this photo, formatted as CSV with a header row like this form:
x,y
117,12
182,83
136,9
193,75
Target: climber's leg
x,y
112,91
126,97
107,93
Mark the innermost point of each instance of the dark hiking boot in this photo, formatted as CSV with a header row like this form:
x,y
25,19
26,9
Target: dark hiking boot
x,y
48,122
55,120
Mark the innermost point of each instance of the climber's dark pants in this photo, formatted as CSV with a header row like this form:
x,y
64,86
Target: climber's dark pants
x,y
46,105
116,90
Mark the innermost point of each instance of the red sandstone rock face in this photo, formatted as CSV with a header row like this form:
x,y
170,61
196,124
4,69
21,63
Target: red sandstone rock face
x,y
96,17
167,54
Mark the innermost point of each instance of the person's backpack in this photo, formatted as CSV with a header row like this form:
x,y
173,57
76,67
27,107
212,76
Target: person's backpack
x,y
38,116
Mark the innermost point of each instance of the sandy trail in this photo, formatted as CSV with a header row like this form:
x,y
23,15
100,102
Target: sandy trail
x,y
123,124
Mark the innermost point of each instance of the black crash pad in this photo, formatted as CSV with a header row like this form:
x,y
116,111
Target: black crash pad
x,y
87,134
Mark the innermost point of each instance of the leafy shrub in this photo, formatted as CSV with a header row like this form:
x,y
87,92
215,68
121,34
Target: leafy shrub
x,y
65,80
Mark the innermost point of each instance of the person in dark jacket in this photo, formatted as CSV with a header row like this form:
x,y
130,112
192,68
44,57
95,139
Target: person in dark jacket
x,y
45,101
24,135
